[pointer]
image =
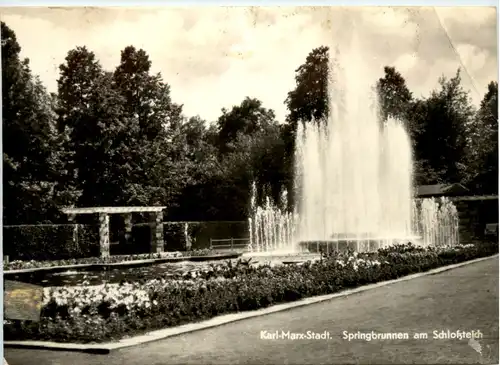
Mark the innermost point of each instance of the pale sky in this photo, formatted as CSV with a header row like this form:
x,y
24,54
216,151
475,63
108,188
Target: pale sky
x,y
213,57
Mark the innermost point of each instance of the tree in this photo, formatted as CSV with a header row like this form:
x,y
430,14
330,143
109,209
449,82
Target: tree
x,y
106,157
483,144
443,120
123,131
78,76
269,161
102,137
230,154
247,118
147,97
309,100
77,80
394,96
240,132
160,155
32,146
200,146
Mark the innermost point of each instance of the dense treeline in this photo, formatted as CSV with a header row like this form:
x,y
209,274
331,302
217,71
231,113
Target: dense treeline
x,y
117,138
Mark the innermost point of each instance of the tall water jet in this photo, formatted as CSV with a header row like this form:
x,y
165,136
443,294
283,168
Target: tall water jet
x,y
355,172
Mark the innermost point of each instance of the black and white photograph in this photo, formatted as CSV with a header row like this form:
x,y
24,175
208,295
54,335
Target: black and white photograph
x,y
250,185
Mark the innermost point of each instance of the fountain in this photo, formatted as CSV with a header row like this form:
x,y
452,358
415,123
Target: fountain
x,y
436,221
354,180
272,228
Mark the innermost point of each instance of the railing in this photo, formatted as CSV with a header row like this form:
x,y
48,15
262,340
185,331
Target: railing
x,y
230,243
491,229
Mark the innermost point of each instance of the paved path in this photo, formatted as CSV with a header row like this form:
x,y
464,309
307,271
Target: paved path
x,y
461,299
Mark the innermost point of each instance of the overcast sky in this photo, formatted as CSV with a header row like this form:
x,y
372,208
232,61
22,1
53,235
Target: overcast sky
x,y
213,57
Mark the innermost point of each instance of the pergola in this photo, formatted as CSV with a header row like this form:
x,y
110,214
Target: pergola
x,y
104,212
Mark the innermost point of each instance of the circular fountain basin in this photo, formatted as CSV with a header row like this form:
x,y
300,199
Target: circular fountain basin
x,y
272,253
283,257
366,244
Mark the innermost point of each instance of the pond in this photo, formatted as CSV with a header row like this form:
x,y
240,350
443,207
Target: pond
x,y
116,275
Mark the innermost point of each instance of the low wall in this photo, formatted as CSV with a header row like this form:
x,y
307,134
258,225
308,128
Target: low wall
x,y
474,213
200,233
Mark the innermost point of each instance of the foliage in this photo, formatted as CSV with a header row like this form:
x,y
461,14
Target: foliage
x,y
120,148
89,111
309,100
231,153
443,122
156,154
246,119
483,144
147,97
32,148
108,312
394,97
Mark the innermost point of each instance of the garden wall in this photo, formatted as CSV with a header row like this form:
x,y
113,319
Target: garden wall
x,y
473,217
200,233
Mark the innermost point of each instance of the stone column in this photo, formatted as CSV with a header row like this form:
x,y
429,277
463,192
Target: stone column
x,y
157,233
187,239
128,228
71,219
104,234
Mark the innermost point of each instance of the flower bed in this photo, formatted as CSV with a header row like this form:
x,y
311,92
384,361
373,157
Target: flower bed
x,y
16,265
110,312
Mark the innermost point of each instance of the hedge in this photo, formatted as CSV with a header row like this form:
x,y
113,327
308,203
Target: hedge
x,y
50,242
